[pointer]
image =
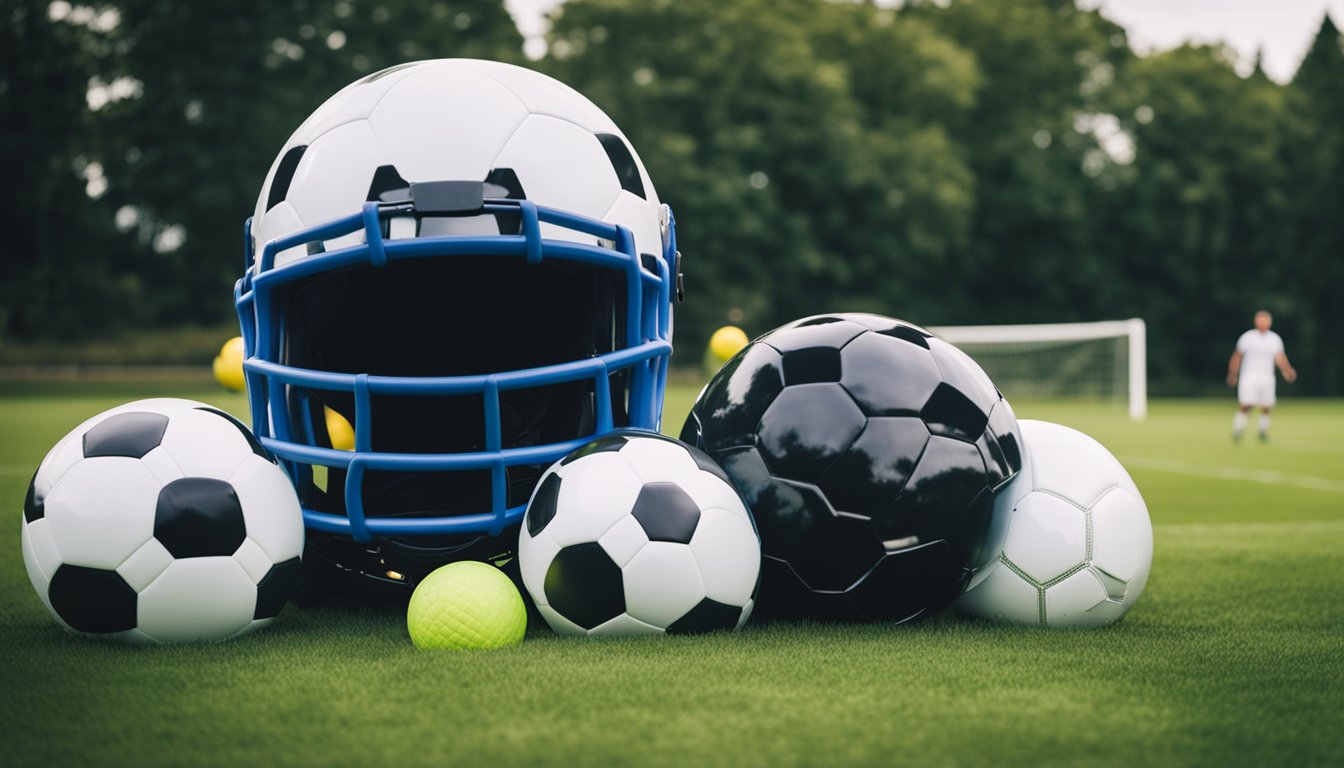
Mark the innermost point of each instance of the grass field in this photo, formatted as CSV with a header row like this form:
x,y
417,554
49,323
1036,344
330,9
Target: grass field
x,y
1234,656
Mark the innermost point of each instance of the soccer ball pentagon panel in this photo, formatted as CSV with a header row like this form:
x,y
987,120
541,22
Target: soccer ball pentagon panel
x,y
1079,542
637,533
161,521
869,452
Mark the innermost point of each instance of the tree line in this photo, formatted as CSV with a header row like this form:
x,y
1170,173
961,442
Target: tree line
x,y
978,161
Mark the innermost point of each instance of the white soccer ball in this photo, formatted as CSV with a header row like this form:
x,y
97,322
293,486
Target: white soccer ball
x,y
637,533
162,521
1079,543
527,135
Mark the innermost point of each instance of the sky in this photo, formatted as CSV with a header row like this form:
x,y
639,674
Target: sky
x,y
1282,29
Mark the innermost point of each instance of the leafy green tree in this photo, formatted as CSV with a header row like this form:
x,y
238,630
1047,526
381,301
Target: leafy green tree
x,y
1198,227
967,162
59,261
799,182
1311,251
160,121
1033,143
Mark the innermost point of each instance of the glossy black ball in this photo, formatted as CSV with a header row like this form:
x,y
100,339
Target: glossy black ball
x,y
869,452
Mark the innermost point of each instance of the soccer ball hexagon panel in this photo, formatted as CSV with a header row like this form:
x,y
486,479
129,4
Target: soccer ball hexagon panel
x,y
161,521
1079,542
870,453
638,533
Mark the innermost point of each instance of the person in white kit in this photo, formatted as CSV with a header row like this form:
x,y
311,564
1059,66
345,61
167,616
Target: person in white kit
x,y
1251,371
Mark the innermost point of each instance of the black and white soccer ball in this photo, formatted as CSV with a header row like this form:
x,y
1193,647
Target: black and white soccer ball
x,y
162,520
870,452
637,533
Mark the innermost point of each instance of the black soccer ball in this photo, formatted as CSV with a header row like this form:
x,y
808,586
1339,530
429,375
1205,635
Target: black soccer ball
x,y
869,452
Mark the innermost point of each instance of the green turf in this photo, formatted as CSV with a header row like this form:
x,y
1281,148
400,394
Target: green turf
x,y
1232,657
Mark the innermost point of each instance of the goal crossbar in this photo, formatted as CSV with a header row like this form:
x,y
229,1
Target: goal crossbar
x,y
1134,329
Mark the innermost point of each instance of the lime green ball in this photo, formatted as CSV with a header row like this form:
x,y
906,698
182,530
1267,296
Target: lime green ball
x,y
466,605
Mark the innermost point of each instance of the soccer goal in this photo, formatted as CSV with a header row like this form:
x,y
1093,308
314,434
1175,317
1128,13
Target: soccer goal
x,y
1104,360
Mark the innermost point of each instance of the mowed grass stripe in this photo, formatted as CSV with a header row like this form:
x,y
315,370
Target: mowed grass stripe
x,y
1266,477
1311,446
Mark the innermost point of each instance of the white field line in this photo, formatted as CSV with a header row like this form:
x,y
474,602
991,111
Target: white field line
x,y
1308,446
1264,476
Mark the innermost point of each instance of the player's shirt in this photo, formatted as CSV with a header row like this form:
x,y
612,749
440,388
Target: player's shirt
x,y
1258,351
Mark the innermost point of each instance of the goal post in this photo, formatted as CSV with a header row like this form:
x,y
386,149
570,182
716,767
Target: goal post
x,y
1100,359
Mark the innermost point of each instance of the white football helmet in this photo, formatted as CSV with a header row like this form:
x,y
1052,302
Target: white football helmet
x,y
468,263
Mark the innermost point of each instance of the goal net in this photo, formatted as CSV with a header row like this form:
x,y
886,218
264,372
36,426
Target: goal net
x,y
1104,360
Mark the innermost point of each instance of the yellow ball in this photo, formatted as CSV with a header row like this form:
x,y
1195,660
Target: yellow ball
x,y
727,341
229,365
339,430
466,605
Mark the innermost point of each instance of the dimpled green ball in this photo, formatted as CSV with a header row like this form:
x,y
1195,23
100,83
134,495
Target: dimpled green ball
x,y
466,605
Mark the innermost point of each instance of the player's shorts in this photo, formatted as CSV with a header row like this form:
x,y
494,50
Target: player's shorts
x,y
1255,390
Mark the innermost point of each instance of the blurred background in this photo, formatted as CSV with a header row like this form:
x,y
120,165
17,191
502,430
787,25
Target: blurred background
x,y
950,163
